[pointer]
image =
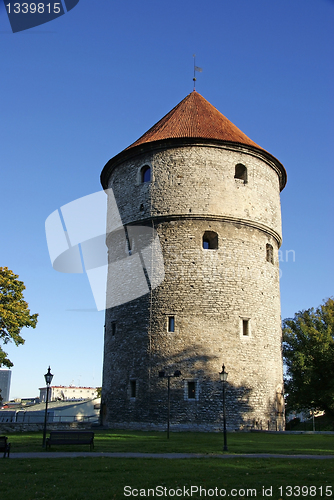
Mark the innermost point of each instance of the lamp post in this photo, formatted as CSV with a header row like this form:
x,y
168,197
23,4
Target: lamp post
x,y
177,373
223,377
48,379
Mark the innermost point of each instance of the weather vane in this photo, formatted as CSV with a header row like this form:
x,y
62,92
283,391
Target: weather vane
x,y
196,68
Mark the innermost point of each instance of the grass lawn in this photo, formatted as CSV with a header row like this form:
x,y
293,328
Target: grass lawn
x,y
188,442
106,478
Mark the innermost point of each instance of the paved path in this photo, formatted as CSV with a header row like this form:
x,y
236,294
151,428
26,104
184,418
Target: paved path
x,y
50,454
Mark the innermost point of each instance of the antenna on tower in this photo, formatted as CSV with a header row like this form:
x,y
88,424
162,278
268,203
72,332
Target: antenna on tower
x,y
196,68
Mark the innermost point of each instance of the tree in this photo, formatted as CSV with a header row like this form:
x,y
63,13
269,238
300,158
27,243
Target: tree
x,y
98,392
308,351
14,312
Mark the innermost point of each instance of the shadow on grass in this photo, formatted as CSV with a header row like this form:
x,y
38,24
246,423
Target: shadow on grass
x,y
187,442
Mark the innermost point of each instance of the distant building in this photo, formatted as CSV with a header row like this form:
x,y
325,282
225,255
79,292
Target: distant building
x,y
5,376
60,392
58,412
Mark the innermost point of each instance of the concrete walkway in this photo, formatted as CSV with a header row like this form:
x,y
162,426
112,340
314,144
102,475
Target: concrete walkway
x,y
50,454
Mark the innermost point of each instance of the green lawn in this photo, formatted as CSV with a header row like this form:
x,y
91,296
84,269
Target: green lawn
x,y
105,478
208,443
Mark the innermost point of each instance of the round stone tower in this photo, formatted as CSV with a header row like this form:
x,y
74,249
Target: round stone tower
x,y
212,198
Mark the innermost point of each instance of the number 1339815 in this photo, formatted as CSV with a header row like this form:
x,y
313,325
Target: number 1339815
x,y
304,491
34,8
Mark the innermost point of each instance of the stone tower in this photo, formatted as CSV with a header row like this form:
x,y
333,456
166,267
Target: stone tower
x,y
213,197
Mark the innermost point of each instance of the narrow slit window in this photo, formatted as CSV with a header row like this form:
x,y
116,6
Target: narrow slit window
x,y
245,327
113,328
270,253
133,388
191,390
171,323
146,174
241,172
210,240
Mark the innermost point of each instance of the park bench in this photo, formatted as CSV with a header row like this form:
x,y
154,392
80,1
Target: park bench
x,y
70,437
4,446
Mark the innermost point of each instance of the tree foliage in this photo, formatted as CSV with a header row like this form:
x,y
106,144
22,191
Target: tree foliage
x,y
308,350
98,392
14,312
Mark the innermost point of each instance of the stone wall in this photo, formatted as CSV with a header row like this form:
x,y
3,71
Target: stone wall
x,y
199,181
211,294
9,427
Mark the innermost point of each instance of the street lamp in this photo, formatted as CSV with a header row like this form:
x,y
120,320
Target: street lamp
x,y
177,373
48,379
223,377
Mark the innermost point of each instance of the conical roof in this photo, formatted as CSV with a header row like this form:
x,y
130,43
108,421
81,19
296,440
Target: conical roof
x,y
194,117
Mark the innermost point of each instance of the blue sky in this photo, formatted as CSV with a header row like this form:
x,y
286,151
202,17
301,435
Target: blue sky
x,y
78,90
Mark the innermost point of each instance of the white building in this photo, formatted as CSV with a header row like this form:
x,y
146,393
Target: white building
x,y
63,393
58,412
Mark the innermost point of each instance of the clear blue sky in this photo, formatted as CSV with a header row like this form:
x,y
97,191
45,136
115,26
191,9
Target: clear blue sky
x,y
78,90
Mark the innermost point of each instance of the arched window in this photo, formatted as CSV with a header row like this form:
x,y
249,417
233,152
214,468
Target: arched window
x,y
269,253
241,172
210,240
145,174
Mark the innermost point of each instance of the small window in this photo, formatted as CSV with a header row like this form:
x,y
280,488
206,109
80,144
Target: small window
x,y
269,253
210,240
245,327
171,323
146,174
241,172
113,328
133,387
191,390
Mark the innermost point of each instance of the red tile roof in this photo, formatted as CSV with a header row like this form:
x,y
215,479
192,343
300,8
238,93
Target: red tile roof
x,y
194,117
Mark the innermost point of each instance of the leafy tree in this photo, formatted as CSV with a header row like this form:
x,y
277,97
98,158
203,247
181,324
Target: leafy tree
x,y
14,312
308,350
99,392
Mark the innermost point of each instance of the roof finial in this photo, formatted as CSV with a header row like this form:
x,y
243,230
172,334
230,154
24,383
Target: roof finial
x,y
196,68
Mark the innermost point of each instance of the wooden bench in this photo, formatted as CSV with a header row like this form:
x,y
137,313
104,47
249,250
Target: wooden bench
x,y
4,446
70,437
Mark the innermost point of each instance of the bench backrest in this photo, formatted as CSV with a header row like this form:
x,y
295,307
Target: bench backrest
x,y
78,435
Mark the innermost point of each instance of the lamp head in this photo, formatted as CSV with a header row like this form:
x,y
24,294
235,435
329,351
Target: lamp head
x,y
48,377
223,374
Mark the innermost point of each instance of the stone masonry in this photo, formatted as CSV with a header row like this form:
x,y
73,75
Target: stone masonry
x,y
222,296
